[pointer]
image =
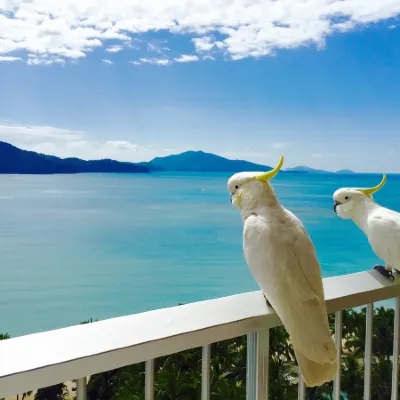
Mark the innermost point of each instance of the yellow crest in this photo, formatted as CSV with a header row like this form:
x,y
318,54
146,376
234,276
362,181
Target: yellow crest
x,y
370,191
266,176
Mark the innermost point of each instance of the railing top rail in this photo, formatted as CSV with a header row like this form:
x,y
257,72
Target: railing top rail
x,y
43,359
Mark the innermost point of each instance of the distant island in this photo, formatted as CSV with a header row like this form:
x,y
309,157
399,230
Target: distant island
x,y
17,161
199,161
308,170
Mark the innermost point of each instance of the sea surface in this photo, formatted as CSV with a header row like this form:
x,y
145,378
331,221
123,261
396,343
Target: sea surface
x,y
74,247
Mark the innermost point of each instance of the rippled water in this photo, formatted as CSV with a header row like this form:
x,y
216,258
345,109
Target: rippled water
x,y
79,246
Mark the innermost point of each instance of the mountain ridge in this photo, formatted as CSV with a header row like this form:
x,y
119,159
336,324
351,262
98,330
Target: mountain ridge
x,y
308,170
200,161
14,160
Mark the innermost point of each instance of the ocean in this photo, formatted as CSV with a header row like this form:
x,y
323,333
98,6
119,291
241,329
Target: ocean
x,y
74,247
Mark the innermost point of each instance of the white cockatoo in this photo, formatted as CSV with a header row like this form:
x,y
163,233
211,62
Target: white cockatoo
x,y
380,225
283,262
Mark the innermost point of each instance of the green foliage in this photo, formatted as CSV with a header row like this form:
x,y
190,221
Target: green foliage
x,y
89,321
55,392
102,386
178,376
4,336
282,367
130,383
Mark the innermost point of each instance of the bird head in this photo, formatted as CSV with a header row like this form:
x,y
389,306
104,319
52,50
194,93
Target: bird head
x,y
346,200
247,187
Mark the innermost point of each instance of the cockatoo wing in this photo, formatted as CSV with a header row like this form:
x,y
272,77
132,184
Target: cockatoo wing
x,y
383,233
307,258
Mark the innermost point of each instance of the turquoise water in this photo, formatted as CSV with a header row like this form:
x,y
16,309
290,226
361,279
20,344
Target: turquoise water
x,y
79,246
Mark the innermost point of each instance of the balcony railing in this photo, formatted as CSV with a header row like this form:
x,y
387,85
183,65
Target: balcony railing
x,y
44,359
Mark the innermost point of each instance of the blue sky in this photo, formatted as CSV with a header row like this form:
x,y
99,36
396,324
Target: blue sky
x,y
319,84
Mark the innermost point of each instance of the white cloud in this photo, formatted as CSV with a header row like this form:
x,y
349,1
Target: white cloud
x,y
156,47
165,61
35,132
9,59
74,143
114,49
122,145
155,61
44,60
107,62
184,58
153,48
93,150
205,43
127,44
69,30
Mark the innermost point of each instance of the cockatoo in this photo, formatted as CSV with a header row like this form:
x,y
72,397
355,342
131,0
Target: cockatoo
x,y
283,262
380,225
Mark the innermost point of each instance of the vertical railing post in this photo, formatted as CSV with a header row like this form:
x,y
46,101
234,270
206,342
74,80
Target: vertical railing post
x,y
205,372
368,351
395,361
301,391
149,380
338,342
81,389
251,367
262,364
257,365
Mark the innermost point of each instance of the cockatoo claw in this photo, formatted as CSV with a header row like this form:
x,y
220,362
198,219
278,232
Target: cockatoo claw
x,y
268,303
383,271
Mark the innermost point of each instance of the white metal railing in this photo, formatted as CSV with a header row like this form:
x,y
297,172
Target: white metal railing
x,y
396,338
368,351
81,389
44,359
205,372
338,342
149,381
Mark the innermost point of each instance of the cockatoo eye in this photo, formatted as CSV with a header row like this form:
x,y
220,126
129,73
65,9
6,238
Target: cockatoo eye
x,y
347,198
237,187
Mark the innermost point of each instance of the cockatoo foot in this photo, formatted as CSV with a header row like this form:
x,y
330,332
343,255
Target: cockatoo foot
x,y
268,303
383,271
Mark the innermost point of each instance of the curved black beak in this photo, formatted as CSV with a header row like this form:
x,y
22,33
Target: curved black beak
x,y
335,204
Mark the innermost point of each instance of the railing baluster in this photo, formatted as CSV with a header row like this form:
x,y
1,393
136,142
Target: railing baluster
x,y
149,380
301,393
395,361
205,372
368,351
257,365
81,389
262,364
338,342
251,369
